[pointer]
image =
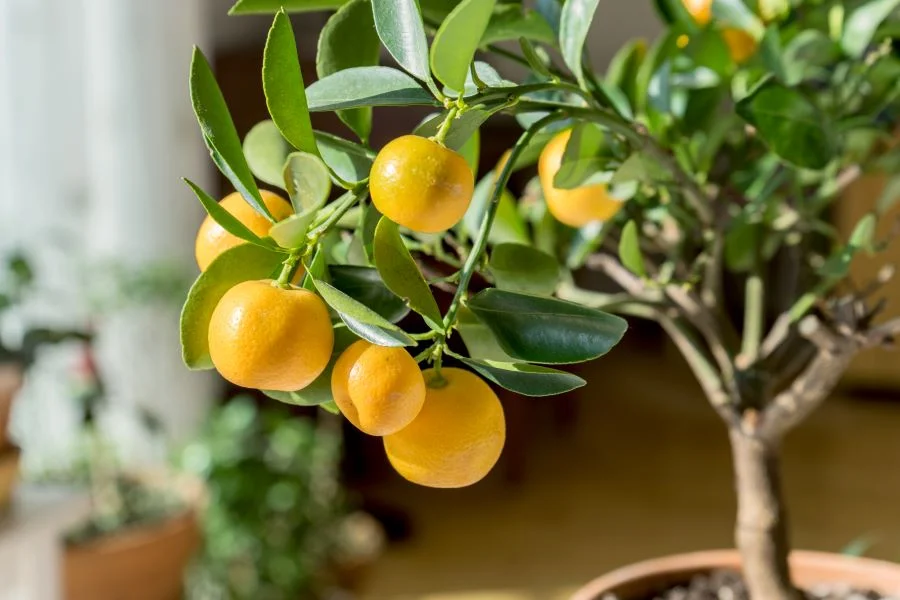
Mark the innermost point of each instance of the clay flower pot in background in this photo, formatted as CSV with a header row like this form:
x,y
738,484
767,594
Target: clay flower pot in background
x,y
10,383
810,569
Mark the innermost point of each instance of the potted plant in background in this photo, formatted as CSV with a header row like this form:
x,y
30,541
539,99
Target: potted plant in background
x,y
695,174
18,351
142,529
275,520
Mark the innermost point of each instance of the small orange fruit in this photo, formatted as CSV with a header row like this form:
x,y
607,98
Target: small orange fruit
x,y
700,10
266,337
420,184
457,437
741,45
578,206
213,240
380,390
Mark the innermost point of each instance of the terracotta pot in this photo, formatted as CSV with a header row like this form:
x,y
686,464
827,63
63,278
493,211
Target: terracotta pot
x,y
10,382
637,581
141,563
9,474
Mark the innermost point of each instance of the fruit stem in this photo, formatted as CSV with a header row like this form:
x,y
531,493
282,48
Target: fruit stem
x,y
441,134
438,380
289,267
474,257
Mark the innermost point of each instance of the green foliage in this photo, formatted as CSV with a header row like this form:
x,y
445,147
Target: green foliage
x,y
274,521
724,162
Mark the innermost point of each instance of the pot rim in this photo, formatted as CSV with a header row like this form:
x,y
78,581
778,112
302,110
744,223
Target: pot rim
x,y
883,576
143,534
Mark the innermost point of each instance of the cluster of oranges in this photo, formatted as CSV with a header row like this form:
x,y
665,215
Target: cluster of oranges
x,y
441,428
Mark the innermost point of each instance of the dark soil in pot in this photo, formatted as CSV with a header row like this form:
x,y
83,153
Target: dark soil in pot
x,y
728,585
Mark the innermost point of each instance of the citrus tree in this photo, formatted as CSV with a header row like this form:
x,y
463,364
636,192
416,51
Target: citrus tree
x,y
696,173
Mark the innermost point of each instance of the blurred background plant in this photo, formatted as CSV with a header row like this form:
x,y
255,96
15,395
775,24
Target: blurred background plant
x,y
277,523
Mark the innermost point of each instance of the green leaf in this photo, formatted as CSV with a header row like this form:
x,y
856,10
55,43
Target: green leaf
x,y
889,196
623,68
525,379
290,233
581,160
792,126
350,162
521,268
508,225
266,150
319,391
241,263
511,22
224,218
574,24
399,26
364,284
863,235
658,52
401,275
283,86
307,181
862,24
250,7
478,338
630,250
537,62
219,133
550,10
368,222
362,320
352,22
738,14
471,151
366,86
546,330
742,242
455,42
461,130
316,269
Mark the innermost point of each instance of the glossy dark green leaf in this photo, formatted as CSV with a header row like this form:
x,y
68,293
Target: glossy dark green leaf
x,y
478,338
772,53
362,320
511,22
219,133
224,218
521,268
266,150
546,330
250,7
241,263
352,22
455,42
399,26
630,250
283,86
862,24
471,151
790,124
365,285
525,379
319,391
575,22
348,161
401,275
366,86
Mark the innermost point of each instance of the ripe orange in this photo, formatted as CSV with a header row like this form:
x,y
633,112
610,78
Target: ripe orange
x,y
457,437
380,390
269,338
741,45
213,240
575,207
700,10
420,184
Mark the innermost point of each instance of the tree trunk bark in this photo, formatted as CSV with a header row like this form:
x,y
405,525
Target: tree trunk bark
x,y
761,529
